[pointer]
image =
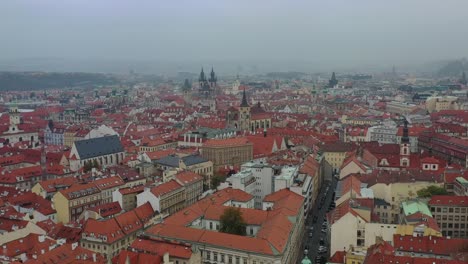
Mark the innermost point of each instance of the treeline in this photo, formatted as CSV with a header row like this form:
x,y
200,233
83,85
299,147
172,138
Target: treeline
x,y
29,81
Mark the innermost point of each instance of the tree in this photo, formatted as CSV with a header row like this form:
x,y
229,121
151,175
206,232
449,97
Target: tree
x,y
95,164
216,180
87,166
232,222
430,191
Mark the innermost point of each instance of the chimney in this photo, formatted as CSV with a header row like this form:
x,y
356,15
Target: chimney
x,y
74,246
41,238
94,257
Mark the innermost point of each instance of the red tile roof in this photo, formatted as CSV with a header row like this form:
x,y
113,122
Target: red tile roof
x,y
108,230
187,177
129,222
79,190
33,201
130,257
166,188
160,247
68,254
449,200
109,183
51,185
28,245
274,231
107,209
430,244
228,142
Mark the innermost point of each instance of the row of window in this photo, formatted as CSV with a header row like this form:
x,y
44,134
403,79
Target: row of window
x,y
451,218
227,258
449,210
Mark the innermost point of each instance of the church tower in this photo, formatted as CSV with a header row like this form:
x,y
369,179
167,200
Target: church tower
x,y
187,91
15,118
213,79
405,147
202,78
244,113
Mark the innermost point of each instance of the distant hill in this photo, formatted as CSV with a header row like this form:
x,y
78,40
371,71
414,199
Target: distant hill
x,y
28,81
454,68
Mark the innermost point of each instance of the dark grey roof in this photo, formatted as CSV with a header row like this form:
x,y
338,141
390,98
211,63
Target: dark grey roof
x,y
380,202
95,147
173,160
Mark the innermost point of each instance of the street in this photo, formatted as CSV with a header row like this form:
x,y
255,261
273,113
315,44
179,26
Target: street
x,y
313,243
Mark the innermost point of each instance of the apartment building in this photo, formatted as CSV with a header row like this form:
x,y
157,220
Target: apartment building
x,y
227,152
71,202
336,153
109,236
451,214
127,197
107,186
166,198
193,186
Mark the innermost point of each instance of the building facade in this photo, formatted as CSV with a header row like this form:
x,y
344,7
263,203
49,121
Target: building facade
x,y
451,214
227,152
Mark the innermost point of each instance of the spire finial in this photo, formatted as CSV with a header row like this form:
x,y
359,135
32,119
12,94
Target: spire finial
x,y
244,100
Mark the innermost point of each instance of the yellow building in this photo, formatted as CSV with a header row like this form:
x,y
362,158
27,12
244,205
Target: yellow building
x,y
356,255
336,153
119,231
439,103
70,203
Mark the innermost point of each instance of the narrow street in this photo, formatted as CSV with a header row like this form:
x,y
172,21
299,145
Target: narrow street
x,y
313,243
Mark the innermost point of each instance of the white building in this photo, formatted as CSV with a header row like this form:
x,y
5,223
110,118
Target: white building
x,y
255,178
260,179
383,134
14,134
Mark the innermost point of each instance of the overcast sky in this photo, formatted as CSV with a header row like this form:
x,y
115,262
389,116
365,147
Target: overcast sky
x,y
347,32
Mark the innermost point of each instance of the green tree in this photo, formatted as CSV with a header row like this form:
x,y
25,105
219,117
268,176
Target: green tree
x,y
232,222
216,180
430,191
87,166
95,164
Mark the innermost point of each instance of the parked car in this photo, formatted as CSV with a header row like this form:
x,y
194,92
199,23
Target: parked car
x,y
311,234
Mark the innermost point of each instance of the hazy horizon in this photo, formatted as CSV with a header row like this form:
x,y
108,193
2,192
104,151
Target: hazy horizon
x,y
168,36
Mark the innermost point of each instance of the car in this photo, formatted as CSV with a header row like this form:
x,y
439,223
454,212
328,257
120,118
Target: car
x,y
324,224
306,250
321,242
311,228
311,234
323,230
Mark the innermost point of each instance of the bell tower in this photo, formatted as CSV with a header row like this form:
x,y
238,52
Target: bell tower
x,y
15,118
244,113
405,147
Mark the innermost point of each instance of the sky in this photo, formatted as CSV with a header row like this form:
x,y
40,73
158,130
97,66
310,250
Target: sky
x,y
288,34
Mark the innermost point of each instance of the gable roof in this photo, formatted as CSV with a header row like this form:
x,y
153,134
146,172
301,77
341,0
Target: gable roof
x,y
95,147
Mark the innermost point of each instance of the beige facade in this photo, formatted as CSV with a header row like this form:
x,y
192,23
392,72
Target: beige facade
x,y
354,231
70,203
396,193
452,219
222,156
335,159
439,103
